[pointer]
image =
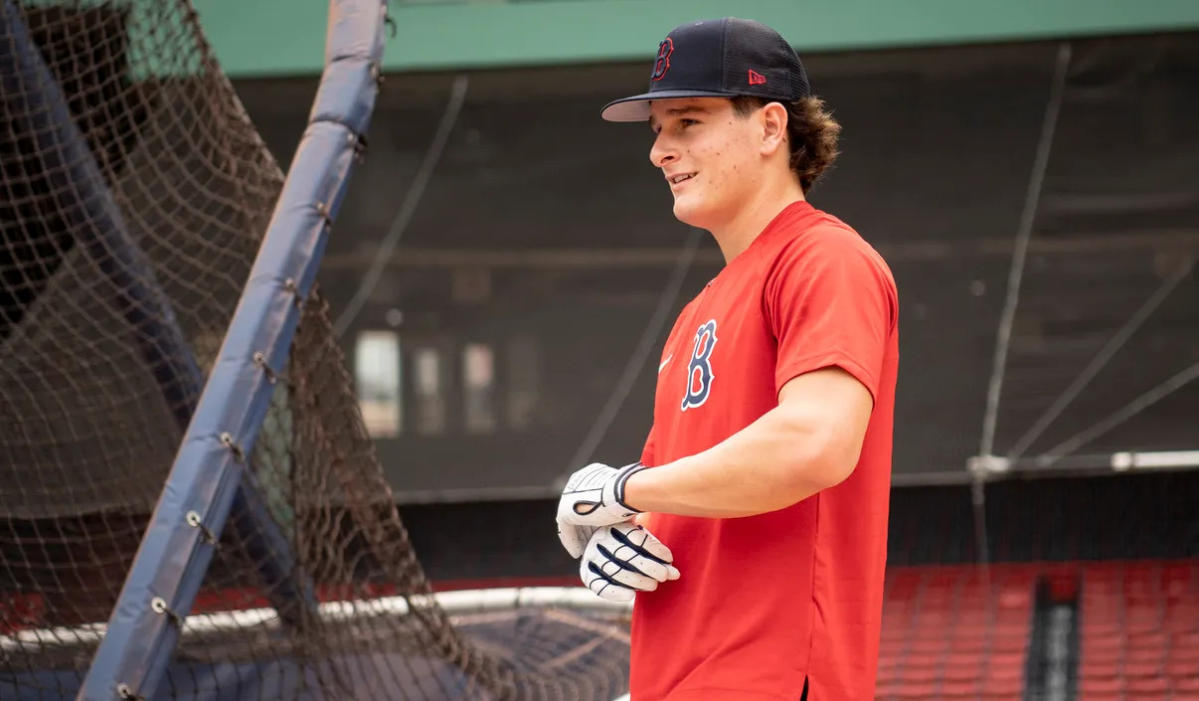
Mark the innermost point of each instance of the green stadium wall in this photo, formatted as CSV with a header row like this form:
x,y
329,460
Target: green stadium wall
x,y
284,37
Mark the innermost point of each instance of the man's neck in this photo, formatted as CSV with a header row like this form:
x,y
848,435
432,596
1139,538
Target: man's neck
x,y
749,221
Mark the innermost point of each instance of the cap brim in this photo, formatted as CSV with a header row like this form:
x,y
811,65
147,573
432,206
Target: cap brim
x,y
636,107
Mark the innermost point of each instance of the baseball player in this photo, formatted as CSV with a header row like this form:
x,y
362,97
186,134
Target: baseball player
x,y
753,529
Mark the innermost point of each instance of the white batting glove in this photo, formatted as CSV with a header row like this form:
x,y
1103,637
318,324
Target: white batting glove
x,y
593,496
574,538
623,559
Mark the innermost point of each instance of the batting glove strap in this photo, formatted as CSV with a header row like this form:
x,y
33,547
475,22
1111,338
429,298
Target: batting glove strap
x,y
594,496
618,486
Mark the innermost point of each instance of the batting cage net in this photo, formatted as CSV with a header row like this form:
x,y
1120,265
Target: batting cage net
x,y
134,194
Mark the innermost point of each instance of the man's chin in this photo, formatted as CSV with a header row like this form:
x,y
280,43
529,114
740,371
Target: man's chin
x,y
686,212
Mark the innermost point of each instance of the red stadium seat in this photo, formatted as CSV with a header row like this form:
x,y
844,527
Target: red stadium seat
x,y
925,690
1143,687
958,689
947,634
1139,633
1101,685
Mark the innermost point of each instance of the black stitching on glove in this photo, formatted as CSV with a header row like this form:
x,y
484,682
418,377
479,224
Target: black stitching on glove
x,y
624,564
602,575
640,550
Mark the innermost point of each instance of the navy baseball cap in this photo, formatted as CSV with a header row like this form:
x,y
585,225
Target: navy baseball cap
x,y
718,58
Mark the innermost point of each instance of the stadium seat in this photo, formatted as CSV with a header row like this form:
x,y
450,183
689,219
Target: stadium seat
x,y
948,634
1139,637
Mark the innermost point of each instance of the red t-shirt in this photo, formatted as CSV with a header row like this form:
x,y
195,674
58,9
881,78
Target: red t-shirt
x,y
765,601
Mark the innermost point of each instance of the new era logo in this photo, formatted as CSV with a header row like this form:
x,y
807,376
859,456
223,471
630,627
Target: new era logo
x,y
756,78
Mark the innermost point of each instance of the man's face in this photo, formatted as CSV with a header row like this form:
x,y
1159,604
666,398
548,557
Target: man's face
x,y
709,156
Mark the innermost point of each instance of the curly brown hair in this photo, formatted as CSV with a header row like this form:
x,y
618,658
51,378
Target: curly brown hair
x,y
811,132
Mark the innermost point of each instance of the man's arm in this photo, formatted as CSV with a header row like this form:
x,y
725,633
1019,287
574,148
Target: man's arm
x,y
809,442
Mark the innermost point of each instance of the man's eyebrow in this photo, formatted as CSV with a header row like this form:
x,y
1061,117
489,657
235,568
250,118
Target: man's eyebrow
x,y
677,111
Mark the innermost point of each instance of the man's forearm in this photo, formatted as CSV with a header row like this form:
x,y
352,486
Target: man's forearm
x,y
776,461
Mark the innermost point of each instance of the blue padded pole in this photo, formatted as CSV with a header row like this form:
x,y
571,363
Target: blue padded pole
x,y
170,564
90,212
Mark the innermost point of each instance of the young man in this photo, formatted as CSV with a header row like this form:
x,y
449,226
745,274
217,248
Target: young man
x,y
766,474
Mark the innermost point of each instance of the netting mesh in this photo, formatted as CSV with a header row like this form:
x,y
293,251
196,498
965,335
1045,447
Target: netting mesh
x,y
126,234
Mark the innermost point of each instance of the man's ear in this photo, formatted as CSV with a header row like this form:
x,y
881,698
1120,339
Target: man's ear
x,y
773,118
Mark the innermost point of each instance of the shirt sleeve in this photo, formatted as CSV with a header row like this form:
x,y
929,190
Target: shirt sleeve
x,y
831,302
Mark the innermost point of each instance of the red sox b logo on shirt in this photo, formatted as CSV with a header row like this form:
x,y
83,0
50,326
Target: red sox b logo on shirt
x,y
699,370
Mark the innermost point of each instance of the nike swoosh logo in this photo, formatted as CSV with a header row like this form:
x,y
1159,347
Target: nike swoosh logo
x,y
665,363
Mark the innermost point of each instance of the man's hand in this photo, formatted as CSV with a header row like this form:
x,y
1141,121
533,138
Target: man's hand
x,y
621,560
593,496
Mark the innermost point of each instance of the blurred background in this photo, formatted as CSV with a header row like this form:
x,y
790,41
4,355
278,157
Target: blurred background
x,y
491,286
1031,160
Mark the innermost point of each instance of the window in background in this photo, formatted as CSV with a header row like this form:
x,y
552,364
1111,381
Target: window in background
x,y
523,377
429,405
377,376
478,375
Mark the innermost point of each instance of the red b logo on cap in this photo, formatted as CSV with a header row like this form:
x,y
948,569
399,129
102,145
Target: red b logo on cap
x,y
665,49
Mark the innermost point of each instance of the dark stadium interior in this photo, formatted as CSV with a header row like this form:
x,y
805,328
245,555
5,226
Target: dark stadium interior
x,y
547,179
1047,520
942,140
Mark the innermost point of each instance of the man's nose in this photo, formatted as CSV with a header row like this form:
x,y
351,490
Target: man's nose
x,y
661,152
